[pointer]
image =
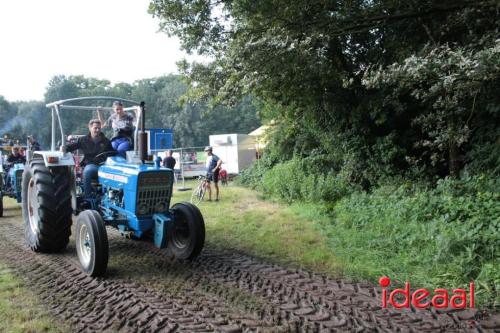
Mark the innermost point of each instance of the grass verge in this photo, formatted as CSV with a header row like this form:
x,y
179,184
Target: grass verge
x,y
427,238
243,221
20,310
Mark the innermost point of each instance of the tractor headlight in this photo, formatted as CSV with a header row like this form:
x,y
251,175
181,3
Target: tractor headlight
x,y
142,209
161,207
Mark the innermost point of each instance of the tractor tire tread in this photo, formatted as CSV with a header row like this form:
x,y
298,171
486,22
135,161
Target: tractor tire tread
x,y
54,211
196,224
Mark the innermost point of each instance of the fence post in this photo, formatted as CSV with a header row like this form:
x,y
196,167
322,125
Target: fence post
x,y
183,188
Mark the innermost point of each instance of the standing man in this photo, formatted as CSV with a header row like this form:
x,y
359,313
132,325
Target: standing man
x,y
213,167
169,161
33,144
92,145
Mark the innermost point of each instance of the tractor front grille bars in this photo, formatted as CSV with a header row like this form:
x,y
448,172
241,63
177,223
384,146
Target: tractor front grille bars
x,y
19,180
154,193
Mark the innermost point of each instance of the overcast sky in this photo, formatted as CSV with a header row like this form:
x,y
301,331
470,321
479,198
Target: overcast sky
x,y
107,39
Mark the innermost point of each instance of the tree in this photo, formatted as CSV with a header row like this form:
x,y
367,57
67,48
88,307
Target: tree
x,y
455,89
190,120
309,59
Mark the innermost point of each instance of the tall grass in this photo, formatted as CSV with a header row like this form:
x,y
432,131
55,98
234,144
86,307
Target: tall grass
x,y
444,235
441,237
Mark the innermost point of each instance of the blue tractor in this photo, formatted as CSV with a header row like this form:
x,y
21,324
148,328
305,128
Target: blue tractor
x,y
10,182
132,195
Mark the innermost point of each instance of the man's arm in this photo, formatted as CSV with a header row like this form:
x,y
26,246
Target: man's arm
x,y
217,166
109,147
134,114
71,146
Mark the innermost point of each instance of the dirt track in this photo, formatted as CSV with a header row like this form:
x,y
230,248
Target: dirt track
x,y
147,291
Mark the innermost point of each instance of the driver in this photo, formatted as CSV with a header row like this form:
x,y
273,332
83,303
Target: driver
x,y
92,144
15,157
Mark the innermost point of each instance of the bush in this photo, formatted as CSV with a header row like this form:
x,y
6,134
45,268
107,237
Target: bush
x,y
298,180
442,237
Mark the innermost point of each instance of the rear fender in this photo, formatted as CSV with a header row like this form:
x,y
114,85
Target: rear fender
x,y
55,158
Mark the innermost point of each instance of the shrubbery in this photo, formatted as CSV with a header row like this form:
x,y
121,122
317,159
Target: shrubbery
x,y
298,179
441,237
444,235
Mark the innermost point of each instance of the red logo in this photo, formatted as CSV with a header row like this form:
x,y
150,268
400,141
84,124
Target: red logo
x,y
419,298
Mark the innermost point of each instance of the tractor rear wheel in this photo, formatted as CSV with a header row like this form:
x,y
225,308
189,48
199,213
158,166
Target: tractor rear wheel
x,y
91,242
186,233
46,200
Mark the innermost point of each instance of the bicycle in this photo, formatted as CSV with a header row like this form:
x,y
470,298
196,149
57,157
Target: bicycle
x,y
200,190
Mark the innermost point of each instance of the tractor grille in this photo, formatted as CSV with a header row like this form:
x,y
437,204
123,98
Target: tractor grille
x,y
154,192
19,180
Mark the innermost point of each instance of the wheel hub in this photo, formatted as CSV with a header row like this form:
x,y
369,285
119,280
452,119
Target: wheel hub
x,y
181,234
83,245
33,206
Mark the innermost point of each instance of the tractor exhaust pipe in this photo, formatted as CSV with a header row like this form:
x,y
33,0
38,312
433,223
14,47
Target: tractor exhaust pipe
x,y
143,136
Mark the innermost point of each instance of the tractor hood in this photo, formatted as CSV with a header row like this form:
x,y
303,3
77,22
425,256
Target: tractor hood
x,y
118,173
121,164
137,191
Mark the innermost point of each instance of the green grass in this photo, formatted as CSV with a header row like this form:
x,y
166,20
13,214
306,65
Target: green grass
x,y
285,234
20,310
432,238
427,238
9,203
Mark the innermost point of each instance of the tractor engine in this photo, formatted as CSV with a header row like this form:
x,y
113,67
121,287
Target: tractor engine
x,y
132,194
16,177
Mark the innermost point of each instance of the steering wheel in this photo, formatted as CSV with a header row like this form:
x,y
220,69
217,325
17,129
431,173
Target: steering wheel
x,y
104,155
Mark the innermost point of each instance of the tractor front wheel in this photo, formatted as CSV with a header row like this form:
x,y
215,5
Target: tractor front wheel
x,y
186,233
92,243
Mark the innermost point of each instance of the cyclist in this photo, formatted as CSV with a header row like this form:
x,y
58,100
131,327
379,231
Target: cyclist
x,y
213,167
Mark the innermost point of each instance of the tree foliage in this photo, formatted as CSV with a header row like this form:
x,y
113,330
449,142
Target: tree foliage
x,y
190,121
353,83
456,89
